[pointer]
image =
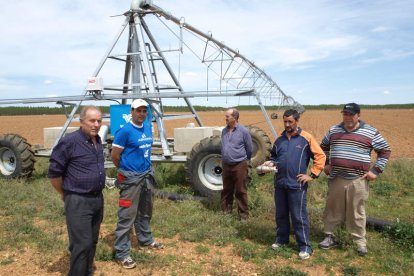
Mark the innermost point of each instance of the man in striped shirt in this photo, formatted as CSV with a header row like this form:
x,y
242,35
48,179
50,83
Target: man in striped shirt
x,y
348,147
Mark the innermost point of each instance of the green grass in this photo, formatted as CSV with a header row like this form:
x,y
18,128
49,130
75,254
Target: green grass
x,y
402,234
201,249
6,261
31,215
395,185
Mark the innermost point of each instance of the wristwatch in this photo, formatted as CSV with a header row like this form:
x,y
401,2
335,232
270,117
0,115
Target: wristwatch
x,y
314,176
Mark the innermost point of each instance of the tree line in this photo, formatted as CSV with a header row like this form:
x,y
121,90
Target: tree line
x,y
44,110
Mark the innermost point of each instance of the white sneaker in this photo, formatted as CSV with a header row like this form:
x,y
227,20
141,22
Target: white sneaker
x,y
127,263
303,255
276,246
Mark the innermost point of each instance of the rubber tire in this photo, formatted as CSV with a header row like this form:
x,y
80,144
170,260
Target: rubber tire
x,y
16,157
204,168
261,146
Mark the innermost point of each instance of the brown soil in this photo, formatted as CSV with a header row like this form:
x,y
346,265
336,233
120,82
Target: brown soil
x,y
186,261
394,124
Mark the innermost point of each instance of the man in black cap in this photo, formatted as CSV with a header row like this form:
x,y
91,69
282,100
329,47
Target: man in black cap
x,y
348,147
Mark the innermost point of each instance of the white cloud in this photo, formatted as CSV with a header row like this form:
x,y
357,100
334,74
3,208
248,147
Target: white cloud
x,y
58,44
381,29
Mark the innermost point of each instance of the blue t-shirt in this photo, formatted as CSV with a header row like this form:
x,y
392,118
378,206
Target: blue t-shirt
x,y
136,143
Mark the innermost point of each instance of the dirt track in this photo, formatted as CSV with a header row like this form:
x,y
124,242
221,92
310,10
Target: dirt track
x,y
394,124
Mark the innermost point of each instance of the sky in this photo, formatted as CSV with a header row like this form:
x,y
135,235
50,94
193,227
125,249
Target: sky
x,y
318,52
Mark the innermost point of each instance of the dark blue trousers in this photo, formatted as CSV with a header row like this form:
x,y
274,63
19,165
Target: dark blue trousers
x,y
84,215
292,203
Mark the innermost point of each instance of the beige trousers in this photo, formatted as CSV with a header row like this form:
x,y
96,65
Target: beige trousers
x,y
346,203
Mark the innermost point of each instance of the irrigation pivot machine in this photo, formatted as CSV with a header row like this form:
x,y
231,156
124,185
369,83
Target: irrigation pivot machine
x,y
146,60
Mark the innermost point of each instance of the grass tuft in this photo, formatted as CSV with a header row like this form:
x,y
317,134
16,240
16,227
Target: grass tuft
x,y
32,216
285,271
350,271
402,234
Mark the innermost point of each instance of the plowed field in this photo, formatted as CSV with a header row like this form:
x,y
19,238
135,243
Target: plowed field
x,y
396,125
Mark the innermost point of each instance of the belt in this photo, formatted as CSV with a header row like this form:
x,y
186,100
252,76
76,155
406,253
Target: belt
x,y
88,194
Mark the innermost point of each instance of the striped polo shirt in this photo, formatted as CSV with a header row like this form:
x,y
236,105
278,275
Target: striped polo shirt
x,y
349,153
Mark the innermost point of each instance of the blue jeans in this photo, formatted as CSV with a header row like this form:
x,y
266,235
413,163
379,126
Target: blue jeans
x,y
292,202
84,214
135,208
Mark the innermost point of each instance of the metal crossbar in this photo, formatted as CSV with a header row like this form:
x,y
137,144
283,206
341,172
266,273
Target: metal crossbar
x,y
149,75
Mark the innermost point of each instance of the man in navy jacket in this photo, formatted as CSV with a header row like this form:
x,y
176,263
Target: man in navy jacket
x,y
291,154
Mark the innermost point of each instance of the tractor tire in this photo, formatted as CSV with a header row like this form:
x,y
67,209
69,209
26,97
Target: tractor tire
x,y
261,146
204,168
16,157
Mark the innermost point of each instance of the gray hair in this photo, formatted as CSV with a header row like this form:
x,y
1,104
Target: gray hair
x,y
85,109
235,113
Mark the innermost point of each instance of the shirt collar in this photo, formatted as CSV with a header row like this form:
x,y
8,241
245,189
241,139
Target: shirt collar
x,y
361,125
135,125
87,138
296,134
235,126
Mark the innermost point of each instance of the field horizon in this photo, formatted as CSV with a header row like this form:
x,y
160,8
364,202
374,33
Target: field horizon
x,y
390,123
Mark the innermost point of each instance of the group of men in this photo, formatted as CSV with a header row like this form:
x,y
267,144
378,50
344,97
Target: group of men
x,y
344,155
77,172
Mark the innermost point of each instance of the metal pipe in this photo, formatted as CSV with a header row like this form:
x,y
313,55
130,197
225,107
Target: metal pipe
x,y
272,129
107,97
176,20
170,71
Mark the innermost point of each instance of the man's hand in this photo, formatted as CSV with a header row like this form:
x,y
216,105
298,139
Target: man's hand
x,y
370,176
303,178
116,155
57,183
269,164
327,169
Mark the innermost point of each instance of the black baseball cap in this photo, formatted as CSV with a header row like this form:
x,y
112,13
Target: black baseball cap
x,y
351,108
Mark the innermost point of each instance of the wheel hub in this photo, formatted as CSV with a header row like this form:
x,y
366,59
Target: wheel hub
x,y
7,161
218,170
210,170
